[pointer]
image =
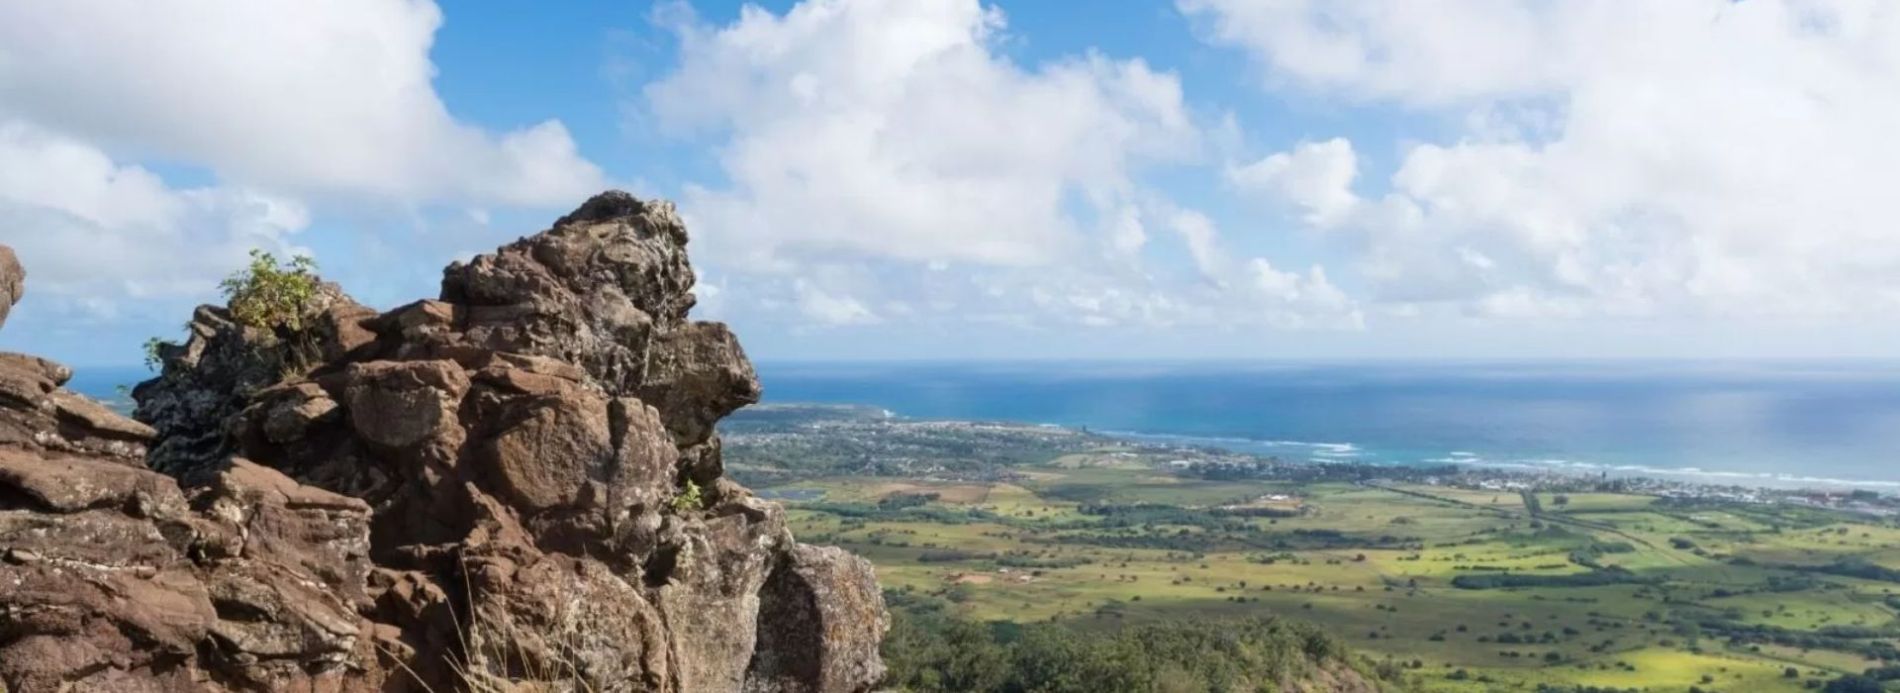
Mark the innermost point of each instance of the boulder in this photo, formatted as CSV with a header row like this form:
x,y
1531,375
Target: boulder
x,y
821,608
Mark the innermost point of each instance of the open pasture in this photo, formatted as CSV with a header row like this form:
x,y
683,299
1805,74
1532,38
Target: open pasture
x,y
1467,589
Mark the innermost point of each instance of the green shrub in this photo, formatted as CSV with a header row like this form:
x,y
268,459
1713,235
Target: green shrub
x,y
268,295
689,498
154,353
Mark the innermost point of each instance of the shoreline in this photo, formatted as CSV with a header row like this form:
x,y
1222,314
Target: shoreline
x,y
1340,452
1343,452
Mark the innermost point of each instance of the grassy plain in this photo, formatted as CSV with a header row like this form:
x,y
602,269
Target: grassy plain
x,y
1451,580
1102,541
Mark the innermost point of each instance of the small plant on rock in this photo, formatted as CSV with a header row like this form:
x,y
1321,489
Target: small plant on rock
x,y
689,498
268,295
154,353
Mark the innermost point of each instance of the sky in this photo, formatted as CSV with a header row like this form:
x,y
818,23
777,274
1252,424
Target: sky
x,y
957,179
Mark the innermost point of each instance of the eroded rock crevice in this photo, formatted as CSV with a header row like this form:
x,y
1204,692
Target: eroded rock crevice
x,y
485,485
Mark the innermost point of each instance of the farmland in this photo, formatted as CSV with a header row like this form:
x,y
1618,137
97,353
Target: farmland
x,y
1455,586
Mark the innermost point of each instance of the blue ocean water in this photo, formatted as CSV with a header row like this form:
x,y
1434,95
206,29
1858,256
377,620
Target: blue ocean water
x,y
1753,423
109,384
1757,423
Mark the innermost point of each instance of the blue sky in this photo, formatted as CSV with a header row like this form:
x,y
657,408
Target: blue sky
x,y
932,179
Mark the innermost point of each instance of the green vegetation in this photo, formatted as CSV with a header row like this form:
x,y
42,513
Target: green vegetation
x,y
155,353
930,649
1442,584
690,498
267,295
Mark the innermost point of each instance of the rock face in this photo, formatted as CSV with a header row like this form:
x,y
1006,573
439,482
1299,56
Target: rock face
x,y
518,482
209,378
113,578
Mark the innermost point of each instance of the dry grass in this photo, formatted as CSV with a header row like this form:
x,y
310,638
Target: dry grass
x,y
500,657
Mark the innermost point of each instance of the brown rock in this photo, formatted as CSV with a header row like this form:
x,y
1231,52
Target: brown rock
x,y
550,453
568,616
401,405
211,378
696,375
73,484
35,367
37,414
110,578
821,607
500,469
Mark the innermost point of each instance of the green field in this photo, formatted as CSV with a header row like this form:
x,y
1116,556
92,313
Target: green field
x,y
1443,579
1104,544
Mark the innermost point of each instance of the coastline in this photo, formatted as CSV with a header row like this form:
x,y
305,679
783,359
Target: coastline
x,y
1723,482
1335,452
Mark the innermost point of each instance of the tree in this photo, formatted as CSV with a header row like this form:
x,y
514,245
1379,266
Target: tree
x,y
1853,683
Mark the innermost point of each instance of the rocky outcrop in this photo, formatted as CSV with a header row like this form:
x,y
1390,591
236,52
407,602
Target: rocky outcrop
x,y
211,376
542,491
113,578
38,414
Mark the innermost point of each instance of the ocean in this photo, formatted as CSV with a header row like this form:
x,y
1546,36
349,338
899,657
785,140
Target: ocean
x,y
1749,423
1788,424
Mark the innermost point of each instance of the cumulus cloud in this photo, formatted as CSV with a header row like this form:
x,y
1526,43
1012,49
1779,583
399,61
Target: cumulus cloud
x,y
1422,53
92,231
894,129
1287,299
328,97
1316,177
869,145
1705,158
146,147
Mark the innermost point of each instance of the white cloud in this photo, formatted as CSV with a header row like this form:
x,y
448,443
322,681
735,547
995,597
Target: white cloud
x,y
277,112
1705,158
893,129
868,143
1197,231
831,309
1417,52
329,97
1292,300
92,232
1315,176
